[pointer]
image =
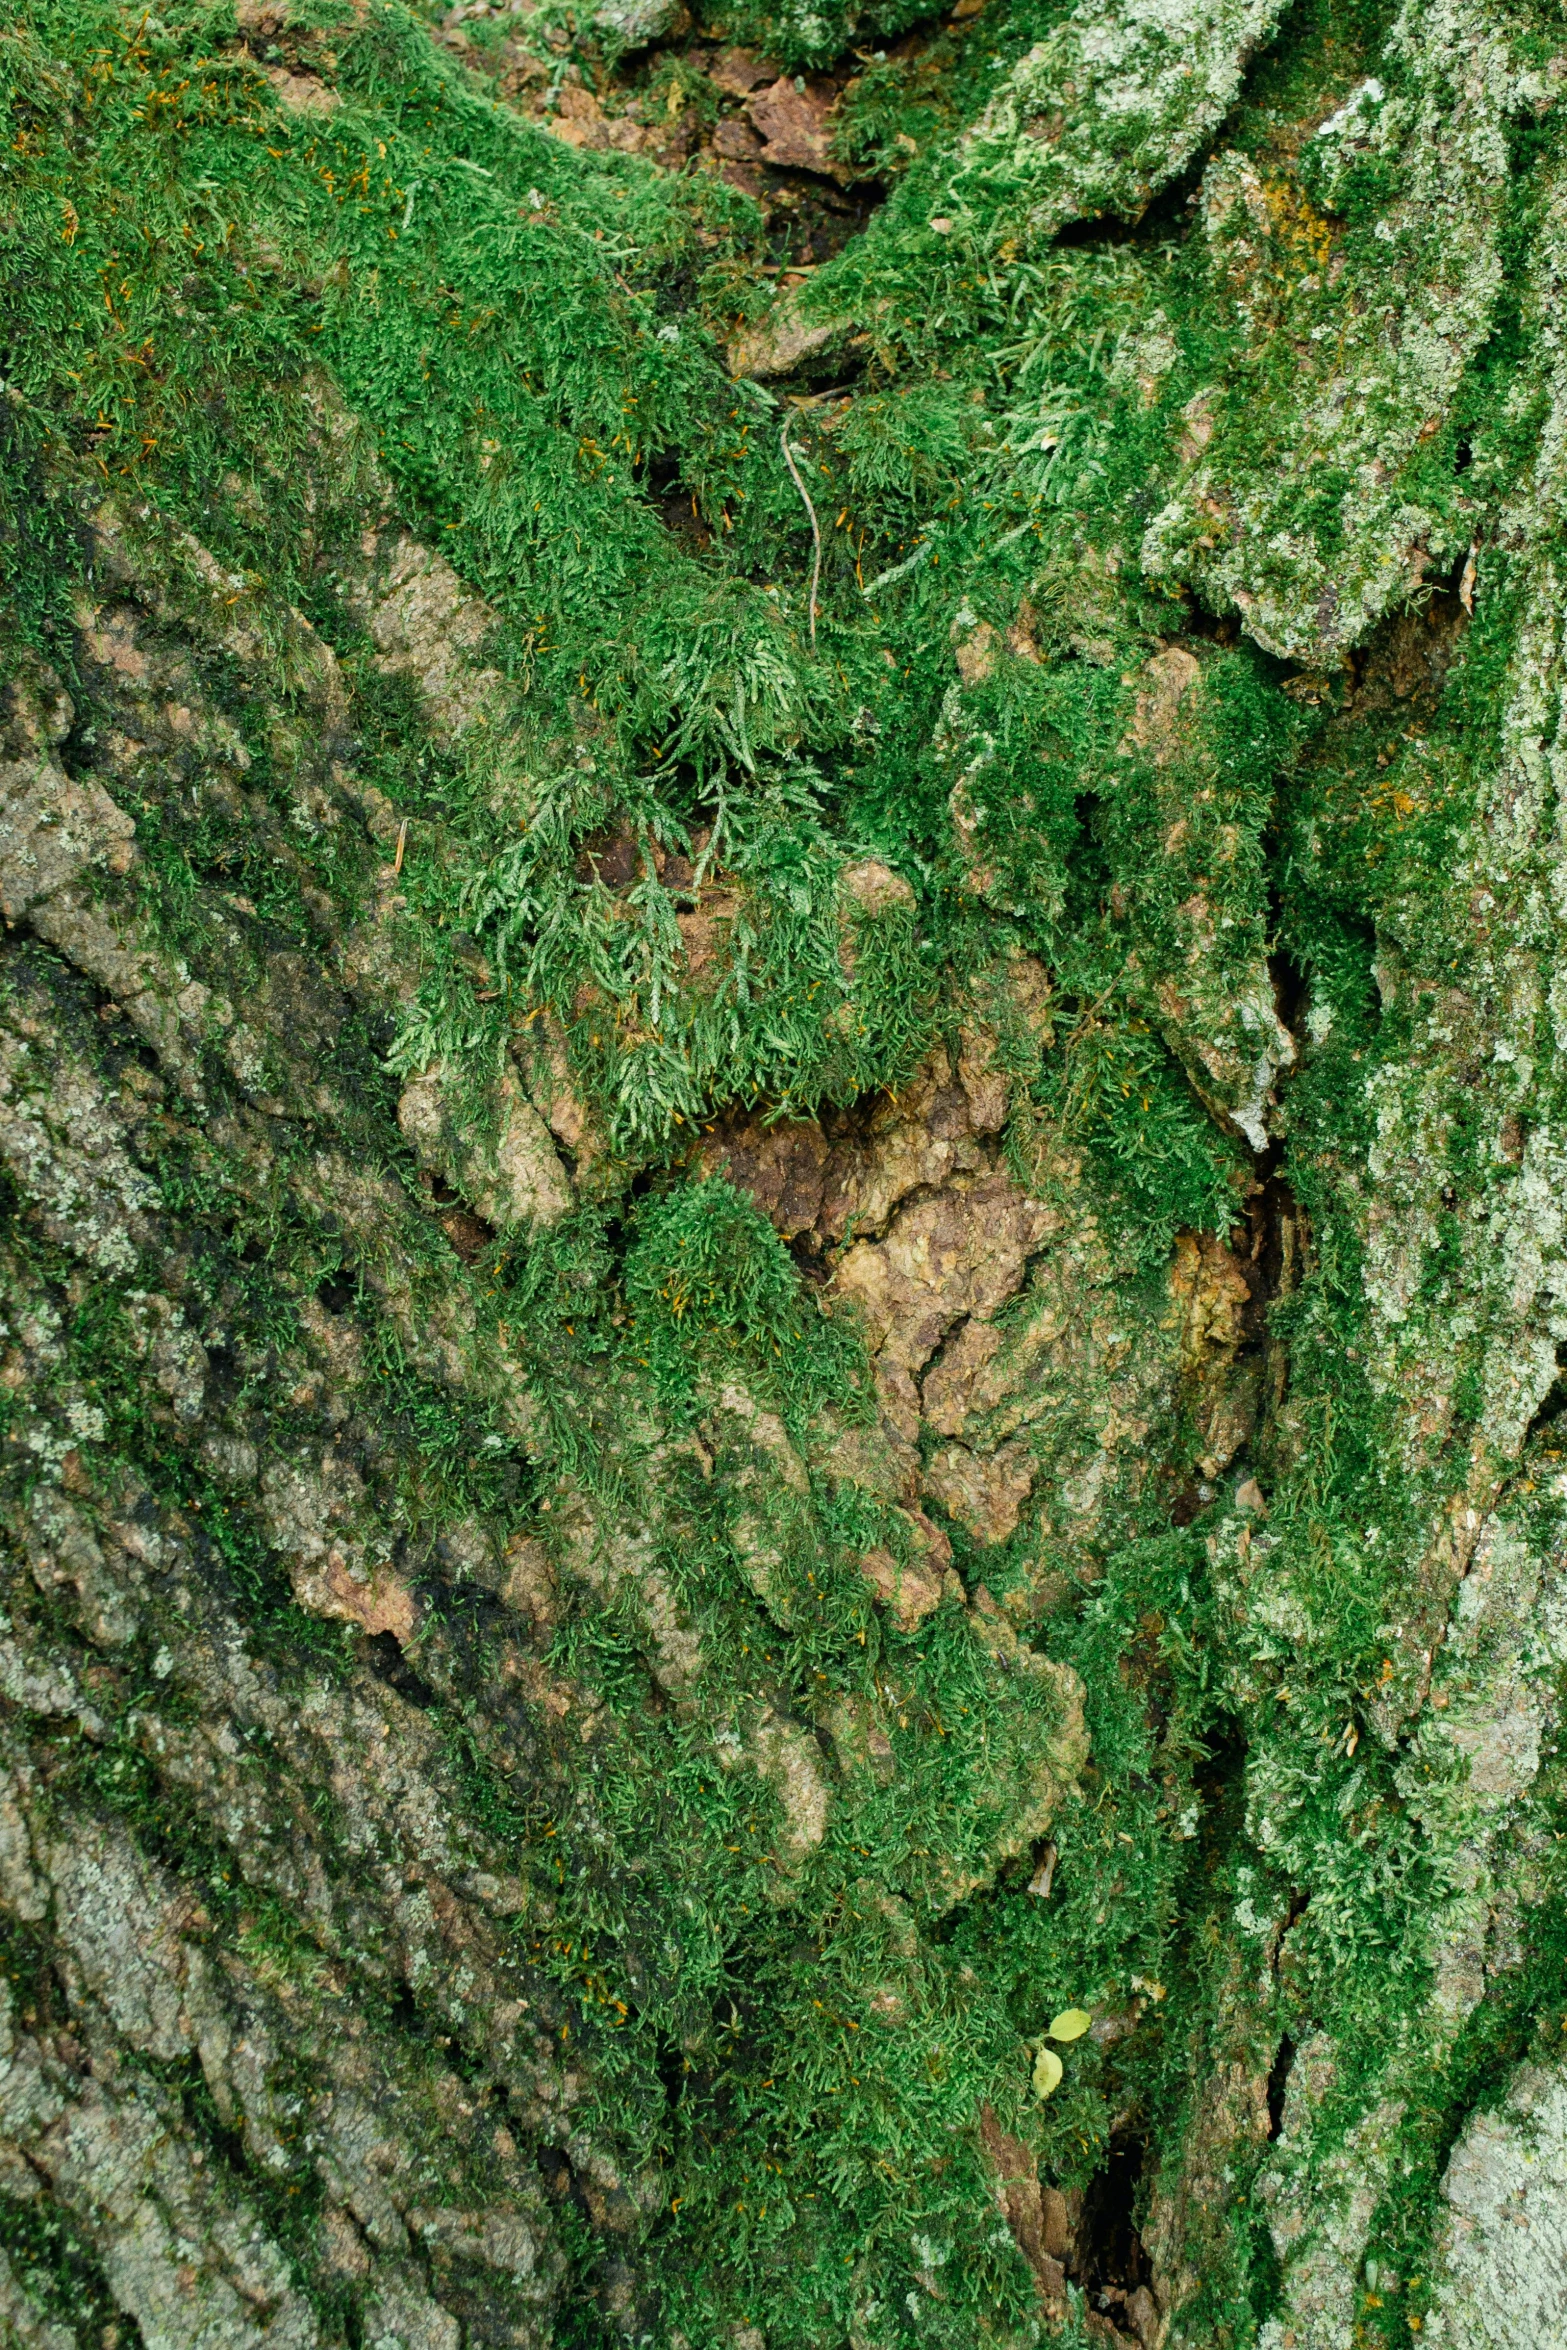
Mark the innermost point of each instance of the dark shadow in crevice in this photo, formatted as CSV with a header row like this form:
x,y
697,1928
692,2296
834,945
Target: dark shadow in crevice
x,y
402,2015
224,2139
1548,1420
1109,2258
388,1663
673,2071
1163,222
814,219
337,1291
1219,1783
1225,1750
1402,666
674,500
78,751
1186,1502
1269,1255
467,1231
1299,1903
1278,2082
805,1252
1291,986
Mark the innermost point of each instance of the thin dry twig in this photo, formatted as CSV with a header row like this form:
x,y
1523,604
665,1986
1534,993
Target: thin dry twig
x,y
816,530
402,843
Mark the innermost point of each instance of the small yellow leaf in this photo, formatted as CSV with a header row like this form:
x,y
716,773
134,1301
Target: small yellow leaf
x,y
1047,2073
1070,2024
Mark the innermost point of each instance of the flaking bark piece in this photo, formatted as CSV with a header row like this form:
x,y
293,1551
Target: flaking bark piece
x,y
795,119
1022,2204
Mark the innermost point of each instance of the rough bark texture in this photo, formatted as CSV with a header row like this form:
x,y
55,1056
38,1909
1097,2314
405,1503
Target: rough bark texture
x,y
783,1095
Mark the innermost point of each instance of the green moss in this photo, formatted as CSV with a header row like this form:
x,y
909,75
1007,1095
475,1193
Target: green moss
x,y
709,1285
507,341
58,2270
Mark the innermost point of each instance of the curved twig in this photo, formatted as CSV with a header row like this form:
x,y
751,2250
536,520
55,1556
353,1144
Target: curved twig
x,y
816,530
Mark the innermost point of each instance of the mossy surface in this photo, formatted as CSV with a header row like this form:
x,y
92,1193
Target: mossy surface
x,y
781,1078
